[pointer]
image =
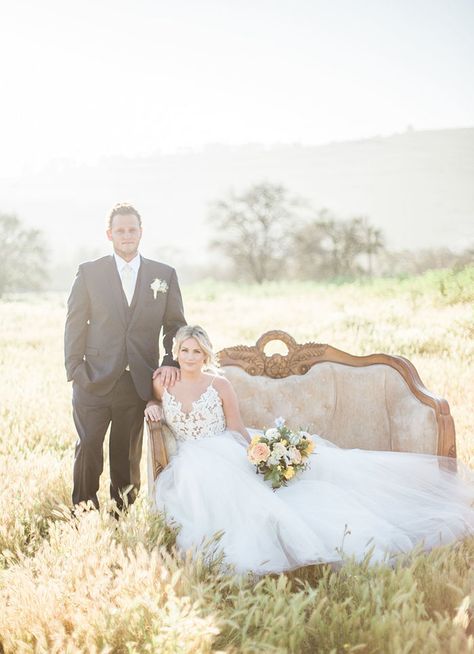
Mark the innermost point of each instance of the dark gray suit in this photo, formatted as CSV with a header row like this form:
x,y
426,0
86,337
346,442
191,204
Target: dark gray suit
x,y
103,334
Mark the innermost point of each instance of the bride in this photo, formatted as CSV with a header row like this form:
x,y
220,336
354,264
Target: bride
x,y
348,503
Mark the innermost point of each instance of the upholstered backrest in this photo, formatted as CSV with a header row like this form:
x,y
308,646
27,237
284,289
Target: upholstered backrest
x,y
377,401
368,407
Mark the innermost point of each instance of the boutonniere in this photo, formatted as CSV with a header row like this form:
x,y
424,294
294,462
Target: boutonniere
x,y
158,286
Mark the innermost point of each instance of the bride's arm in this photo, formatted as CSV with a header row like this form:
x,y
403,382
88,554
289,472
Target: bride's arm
x,y
153,407
230,404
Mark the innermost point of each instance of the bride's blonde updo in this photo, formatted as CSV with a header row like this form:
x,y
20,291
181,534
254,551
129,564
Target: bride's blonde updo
x,y
201,337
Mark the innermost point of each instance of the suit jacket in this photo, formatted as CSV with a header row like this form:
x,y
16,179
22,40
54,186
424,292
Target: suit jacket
x,y
103,334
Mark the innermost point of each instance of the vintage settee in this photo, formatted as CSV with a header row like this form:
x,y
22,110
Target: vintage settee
x,y
375,402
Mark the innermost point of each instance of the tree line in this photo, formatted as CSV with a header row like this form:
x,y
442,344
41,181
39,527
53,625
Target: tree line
x,y
23,262
264,233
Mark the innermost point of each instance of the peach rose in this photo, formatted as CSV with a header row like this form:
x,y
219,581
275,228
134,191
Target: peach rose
x,y
258,453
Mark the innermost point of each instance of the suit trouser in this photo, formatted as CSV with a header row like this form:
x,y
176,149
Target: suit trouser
x,y
122,407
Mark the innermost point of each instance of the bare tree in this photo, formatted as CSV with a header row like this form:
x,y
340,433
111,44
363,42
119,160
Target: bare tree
x,y
22,264
371,240
309,252
255,230
343,245
327,247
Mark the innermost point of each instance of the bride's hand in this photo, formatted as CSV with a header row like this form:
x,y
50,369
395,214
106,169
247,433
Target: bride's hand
x,y
153,411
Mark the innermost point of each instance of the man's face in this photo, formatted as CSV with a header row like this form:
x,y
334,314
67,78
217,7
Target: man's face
x,y
125,235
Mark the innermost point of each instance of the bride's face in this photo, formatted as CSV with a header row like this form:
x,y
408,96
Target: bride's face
x,y
190,355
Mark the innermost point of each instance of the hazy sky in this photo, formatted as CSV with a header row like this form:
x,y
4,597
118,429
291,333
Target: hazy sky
x,y
98,77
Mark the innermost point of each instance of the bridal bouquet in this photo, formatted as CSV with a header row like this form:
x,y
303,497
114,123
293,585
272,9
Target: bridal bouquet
x,y
280,453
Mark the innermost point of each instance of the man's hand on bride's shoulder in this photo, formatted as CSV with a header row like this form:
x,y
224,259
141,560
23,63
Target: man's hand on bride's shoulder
x,y
153,411
167,375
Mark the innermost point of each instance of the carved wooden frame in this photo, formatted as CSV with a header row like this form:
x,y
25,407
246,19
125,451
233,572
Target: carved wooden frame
x,y
156,443
299,359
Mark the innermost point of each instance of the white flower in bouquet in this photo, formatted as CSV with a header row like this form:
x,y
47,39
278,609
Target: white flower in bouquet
x,y
280,450
279,422
295,439
295,455
272,433
273,460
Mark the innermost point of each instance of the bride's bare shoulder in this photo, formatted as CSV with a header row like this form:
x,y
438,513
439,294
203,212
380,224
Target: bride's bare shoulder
x,y
222,384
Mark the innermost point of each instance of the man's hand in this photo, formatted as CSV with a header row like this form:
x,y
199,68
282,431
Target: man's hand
x,y
153,411
169,375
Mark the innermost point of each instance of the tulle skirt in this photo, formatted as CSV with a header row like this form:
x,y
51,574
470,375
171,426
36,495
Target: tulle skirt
x,y
348,503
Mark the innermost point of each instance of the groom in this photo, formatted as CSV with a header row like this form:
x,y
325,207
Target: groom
x,y
117,307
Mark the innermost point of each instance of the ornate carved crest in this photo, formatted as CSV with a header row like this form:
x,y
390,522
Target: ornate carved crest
x,y
244,356
253,359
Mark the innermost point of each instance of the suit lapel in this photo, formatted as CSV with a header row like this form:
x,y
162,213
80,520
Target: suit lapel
x,y
115,286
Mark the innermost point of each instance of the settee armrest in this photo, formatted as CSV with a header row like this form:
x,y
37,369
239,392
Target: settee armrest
x,y
158,455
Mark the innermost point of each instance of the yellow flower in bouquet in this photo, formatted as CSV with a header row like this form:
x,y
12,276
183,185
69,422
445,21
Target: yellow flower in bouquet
x,y
289,472
309,447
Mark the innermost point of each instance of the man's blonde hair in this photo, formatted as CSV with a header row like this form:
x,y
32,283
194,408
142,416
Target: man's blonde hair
x,y
203,340
122,209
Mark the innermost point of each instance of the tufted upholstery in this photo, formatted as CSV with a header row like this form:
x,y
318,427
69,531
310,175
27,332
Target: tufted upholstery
x,y
370,407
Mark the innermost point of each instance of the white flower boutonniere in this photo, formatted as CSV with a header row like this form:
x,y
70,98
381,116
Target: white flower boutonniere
x,y
158,286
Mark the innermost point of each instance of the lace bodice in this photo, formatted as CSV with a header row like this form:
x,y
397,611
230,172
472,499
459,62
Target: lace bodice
x,y
205,419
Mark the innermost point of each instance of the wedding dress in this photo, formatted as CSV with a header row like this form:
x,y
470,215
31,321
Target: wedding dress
x,y
349,502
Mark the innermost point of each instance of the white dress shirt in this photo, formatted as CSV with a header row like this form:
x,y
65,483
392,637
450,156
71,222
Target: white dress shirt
x,y
134,264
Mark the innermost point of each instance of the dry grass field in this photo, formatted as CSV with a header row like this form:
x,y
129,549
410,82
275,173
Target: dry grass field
x,y
94,585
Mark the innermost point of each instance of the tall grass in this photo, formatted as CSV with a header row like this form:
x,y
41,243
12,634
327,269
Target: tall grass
x,y
92,584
